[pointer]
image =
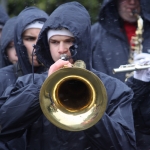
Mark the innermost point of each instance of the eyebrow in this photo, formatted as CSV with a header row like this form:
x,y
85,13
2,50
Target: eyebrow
x,y
69,38
24,36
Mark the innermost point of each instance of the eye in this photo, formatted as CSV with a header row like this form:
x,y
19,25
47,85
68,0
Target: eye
x,y
9,47
29,38
70,41
54,42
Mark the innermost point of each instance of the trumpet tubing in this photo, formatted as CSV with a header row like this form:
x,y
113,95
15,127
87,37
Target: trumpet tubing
x,y
73,98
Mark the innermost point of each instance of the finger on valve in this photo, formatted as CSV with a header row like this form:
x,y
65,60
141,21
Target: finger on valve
x,y
58,65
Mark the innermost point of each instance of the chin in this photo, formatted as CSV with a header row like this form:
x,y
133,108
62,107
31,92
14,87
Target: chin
x,y
36,65
131,20
14,62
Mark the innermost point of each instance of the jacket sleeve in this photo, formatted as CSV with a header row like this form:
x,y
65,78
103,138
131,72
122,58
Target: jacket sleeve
x,y
140,104
140,89
115,130
21,108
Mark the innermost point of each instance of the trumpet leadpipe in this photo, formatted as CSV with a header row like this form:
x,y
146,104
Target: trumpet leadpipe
x,y
129,68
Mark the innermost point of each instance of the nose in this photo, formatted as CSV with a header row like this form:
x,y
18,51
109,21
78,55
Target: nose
x,y
62,48
132,1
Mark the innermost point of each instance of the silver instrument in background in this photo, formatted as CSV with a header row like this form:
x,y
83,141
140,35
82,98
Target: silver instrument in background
x,y
130,67
136,48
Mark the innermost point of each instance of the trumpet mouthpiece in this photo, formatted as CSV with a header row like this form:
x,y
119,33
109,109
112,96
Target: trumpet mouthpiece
x,y
64,57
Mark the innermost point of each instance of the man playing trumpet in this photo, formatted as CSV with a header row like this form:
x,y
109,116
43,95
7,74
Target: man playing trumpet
x,y
67,31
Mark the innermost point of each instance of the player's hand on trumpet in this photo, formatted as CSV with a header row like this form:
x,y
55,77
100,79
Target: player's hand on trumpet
x,y
58,65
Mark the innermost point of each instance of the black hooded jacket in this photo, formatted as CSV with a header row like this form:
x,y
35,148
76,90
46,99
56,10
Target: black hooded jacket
x,y
3,18
110,47
141,111
114,131
9,74
7,37
26,17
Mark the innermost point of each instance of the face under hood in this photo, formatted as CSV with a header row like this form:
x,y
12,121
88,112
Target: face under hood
x,y
109,17
74,17
7,37
27,16
3,16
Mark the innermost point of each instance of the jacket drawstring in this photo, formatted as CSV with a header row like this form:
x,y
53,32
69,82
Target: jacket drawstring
x,y
73,51
33,53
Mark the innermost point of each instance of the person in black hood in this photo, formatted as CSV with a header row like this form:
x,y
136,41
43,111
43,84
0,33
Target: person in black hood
x,y
111,48
3,18
111,35
66,31
27,27
8,51
29,23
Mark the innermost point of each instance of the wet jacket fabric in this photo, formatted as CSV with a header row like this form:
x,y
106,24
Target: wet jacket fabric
x,y
7,37
8,77
114,131
9,74
110,47
141,111
3,18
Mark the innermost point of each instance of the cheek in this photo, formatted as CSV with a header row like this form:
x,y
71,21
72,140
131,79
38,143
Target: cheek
x,y
70,45
9,52
54,53
29,48
122,6
53,50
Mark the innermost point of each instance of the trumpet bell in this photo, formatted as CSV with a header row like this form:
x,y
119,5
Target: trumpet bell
x,y
73,99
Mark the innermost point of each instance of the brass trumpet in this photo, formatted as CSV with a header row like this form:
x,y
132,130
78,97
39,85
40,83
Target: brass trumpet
x,y
73,98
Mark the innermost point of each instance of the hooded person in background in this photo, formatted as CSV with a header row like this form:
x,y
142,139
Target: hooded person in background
x,y
3,18
112,34
111,48
27,27
8,51
66,32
